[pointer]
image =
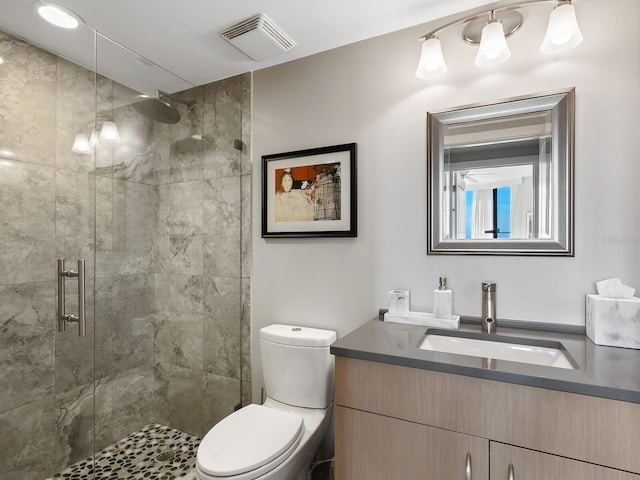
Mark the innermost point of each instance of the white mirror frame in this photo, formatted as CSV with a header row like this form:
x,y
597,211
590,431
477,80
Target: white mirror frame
x,y
561,104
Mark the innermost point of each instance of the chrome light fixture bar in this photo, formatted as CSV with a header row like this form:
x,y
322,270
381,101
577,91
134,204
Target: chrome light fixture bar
x,y
491,29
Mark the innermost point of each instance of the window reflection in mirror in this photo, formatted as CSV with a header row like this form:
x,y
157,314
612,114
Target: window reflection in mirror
x,y
501,177
498,174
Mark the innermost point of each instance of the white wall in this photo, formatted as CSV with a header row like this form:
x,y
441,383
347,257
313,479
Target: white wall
x,y
367,93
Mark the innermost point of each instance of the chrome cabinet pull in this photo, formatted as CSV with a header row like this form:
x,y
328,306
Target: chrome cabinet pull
x,y
467,470
510,473
63,317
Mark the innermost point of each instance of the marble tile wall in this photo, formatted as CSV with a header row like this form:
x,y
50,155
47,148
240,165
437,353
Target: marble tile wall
x,y
201,264
162,220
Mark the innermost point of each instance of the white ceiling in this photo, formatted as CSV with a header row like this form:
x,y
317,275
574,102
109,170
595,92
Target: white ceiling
x,y
181,36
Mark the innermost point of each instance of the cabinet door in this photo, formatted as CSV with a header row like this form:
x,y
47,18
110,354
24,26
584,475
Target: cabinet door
x,y
513,463
371,447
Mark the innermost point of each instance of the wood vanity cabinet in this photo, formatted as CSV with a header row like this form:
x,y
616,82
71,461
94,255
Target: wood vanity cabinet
x,y
401,423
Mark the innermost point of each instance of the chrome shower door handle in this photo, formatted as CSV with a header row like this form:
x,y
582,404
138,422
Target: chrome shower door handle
x,y
61,307
63,317
467,469
82,319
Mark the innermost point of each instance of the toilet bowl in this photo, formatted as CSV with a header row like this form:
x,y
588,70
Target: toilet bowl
x,y
276,440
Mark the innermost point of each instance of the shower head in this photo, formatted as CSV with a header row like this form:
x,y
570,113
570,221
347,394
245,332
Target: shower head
x,y
160,110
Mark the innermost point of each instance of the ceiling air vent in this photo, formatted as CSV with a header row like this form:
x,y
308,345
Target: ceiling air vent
x,y
258,38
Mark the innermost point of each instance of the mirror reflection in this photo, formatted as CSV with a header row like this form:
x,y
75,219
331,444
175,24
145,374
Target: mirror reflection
x,y
499,177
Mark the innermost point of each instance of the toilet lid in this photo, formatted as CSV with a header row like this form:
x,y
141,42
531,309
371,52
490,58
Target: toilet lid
x,y
248,439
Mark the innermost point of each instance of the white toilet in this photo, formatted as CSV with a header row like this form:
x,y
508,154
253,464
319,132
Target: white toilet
x,y
276,440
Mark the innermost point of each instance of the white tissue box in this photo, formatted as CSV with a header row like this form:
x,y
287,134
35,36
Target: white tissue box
x,y
614,322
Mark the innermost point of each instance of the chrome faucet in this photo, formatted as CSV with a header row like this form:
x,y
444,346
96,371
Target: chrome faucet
x,y
489,321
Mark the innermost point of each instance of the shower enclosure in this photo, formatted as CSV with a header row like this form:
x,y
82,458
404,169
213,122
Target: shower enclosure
x,y
159,214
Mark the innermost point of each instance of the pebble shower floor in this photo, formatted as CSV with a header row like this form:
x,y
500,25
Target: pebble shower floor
x,y
155,452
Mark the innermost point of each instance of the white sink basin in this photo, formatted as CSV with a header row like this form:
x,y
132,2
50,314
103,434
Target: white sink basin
x,y
535,352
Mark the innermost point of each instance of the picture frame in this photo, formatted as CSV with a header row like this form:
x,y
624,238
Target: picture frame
x,y
310,193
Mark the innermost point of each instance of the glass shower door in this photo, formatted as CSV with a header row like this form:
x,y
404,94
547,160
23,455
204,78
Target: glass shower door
x,y
47,190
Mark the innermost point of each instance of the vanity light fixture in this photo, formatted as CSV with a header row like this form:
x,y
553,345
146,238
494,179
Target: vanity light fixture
x,y
109,132
105,131
58,15
491,29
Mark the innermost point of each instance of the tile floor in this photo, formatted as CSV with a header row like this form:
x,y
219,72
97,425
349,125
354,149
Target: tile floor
x,y
155,452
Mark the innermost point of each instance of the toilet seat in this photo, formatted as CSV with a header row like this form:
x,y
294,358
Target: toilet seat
x,y
249,442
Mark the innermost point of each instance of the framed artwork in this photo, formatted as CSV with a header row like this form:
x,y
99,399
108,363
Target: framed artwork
x,y
310,193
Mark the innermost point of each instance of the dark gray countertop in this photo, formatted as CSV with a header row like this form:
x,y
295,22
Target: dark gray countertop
x,y
607,372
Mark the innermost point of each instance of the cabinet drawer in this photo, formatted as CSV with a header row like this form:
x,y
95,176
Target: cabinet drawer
x,y
598,430
375,447
513,463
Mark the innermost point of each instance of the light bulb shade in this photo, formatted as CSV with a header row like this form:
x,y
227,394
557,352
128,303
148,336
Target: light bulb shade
x,y
431,62
109,133
93,139
563,32
81,143
493,46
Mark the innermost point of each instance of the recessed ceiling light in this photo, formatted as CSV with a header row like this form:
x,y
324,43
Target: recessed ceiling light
x,y
58,15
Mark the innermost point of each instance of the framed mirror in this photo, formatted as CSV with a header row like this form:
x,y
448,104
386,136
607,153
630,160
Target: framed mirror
x,y
500,177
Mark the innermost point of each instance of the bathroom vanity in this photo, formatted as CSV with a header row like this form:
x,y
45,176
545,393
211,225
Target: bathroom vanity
x,y
405,413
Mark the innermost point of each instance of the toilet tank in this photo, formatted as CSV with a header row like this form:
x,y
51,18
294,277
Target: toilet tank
x,y
297,366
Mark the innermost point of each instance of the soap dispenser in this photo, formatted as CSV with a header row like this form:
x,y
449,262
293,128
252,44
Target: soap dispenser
x,y
442,300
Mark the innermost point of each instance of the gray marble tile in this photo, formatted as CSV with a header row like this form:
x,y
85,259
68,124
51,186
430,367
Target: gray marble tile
x,y
221,256
228,91
133,157
104,326
132,401
178,395
222,247
75,113
245,335
132,296
104,217
75,223
28,120
245,226
74,425
186,255
134,216
27,346
161,153
186,293
27,235
27,443
186,160
186,211
133,343
221,201
133,307
245,387
161,240
104,109
162,292
222,328
74,354
178,340
246,123
221,396
190,118
223,126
